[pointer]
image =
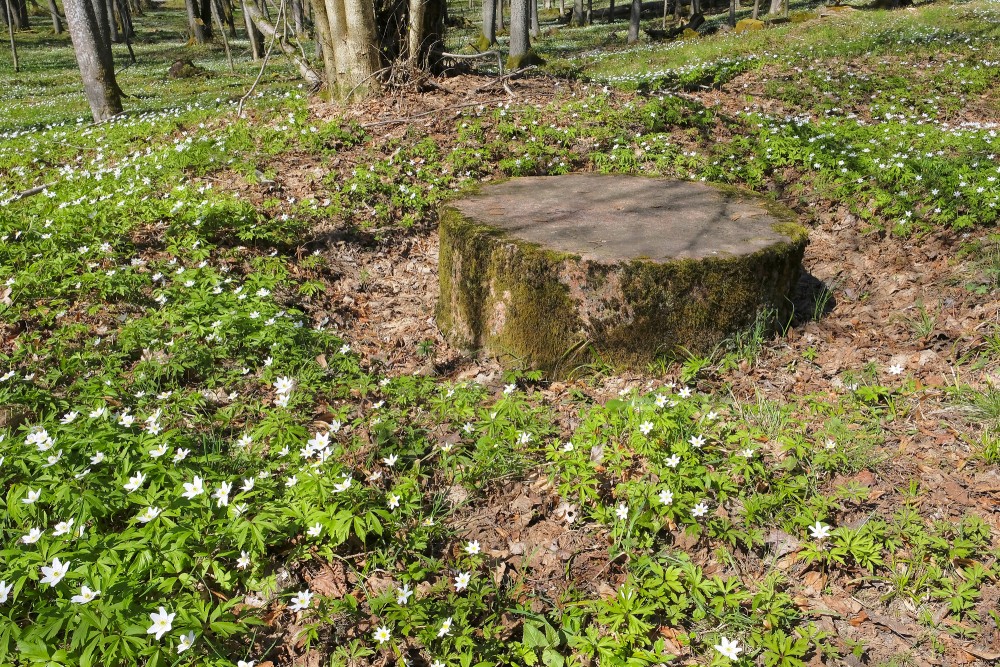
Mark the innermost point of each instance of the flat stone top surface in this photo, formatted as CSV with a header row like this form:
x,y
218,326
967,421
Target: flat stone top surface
x,y
616,218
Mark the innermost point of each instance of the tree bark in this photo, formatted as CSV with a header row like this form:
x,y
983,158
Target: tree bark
x,y
415,34
269,31
756,9
57,26
775,7
205,14
9,20
19,13
217,11
489,23
114,33
577,18
93,54
298,16
324,40
196,24
611,11
732,13
363,61
535,30
256,39
520,23
425,32
633,22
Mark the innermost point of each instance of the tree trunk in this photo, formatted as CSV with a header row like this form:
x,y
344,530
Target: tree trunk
x,y
633,22
205,14
520,24
218,11
57,26
9,20
128,26
756,9
577,17
732,13
269,31
299,17
611,11
362,47
415,34
775,7
535,30
324,41
425,32
489,23
19,12
196,25
93,54
114,33
256,39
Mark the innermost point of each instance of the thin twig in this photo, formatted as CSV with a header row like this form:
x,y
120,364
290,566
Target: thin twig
x,y
30,192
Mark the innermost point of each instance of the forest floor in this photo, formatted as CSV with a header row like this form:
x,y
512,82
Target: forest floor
x,y
220,370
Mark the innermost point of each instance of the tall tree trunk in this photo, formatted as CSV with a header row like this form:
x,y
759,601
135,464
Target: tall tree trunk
x,y
19,12
128,26
633,22
577,17
217,11
611,11
520,24
732,13
298,16
362,45
425,32
535,30
775,7
415,32
93,54
489,23
256,39
57,26
196,26
756,9
324,41
205,14
114,34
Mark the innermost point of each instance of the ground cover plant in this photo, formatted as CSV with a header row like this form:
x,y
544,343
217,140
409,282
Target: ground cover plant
x,y
229,436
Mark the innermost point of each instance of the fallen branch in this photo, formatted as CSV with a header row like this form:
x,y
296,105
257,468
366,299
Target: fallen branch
x,y
314,80
30,192
477,56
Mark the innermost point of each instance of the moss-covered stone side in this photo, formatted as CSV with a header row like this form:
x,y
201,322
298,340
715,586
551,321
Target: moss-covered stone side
x,y
535,308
